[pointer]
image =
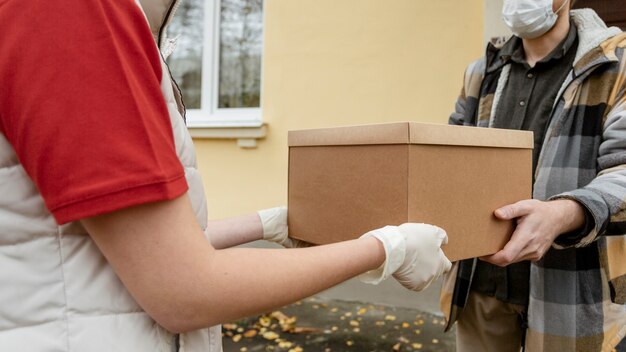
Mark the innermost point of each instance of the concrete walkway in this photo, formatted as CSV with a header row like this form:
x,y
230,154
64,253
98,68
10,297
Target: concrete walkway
x,y
321,325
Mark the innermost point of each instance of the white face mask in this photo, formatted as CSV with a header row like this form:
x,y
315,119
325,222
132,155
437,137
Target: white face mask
x,y
529,18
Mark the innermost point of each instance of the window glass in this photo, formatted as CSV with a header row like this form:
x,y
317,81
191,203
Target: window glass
x,y
241,30
237,49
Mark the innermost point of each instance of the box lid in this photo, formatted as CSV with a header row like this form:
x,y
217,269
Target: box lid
x,y
412,133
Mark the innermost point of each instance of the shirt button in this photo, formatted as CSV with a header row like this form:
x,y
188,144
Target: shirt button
x,y
522,103
530,75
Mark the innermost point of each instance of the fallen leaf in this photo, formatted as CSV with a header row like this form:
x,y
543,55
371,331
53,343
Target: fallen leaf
x,y
406,325
396,347
250,333
230,326
354,323
417,346
435,341
270,335
390,317
278,315
361,311
304,330
349,342
288,324
285,344
265,321
236,338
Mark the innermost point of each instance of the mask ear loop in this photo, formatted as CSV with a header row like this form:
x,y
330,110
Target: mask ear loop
x,y
561,8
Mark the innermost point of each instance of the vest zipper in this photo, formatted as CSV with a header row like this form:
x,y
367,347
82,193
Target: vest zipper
x,y
166,20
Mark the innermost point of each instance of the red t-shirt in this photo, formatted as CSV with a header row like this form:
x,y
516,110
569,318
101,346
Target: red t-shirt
x,y
81,104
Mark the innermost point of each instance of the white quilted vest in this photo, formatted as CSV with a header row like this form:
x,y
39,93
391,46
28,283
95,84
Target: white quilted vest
x,y
57,291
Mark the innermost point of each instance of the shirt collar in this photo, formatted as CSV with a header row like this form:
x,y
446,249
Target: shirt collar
x,y
514,50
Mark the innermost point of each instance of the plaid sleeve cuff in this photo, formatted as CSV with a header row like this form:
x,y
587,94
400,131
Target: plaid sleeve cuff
x,y
570,239
596,219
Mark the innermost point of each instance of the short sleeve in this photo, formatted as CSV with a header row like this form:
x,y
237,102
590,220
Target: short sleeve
x,y
81,104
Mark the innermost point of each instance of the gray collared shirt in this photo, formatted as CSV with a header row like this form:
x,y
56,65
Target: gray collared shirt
x,y
527,99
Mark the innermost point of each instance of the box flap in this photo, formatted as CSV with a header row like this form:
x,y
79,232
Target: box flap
x,y
387,133
412,133
422,133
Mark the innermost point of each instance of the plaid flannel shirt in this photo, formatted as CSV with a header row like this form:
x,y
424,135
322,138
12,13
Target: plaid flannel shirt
x,y
578,290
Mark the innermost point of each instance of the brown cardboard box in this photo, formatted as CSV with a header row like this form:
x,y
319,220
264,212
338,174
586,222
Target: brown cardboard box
x,y
346,181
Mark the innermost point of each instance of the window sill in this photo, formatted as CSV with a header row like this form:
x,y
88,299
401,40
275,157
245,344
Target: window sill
x,y
246,136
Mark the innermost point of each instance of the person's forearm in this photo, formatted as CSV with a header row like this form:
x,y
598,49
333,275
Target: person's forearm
x,y
232,232
279,277
238,282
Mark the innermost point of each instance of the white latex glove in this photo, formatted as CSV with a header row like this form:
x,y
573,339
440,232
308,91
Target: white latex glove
x,y
414,255
275,228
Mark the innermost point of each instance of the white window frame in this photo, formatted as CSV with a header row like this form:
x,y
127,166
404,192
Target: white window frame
x,y
210,115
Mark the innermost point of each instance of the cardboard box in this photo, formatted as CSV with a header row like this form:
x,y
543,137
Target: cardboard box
x,y
346,181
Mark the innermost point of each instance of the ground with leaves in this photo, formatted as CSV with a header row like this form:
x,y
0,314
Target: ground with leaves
x,y
316,325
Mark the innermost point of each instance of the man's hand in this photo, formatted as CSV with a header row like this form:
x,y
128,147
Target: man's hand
x,y
538,225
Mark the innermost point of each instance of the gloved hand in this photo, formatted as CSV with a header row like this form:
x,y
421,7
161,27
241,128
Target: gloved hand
x,y
414,255
275,228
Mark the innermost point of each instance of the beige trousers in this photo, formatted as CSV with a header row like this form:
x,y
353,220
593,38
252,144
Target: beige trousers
x,y
489,325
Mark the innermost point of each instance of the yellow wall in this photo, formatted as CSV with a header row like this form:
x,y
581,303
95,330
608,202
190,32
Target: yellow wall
x,y
494,26
342,62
